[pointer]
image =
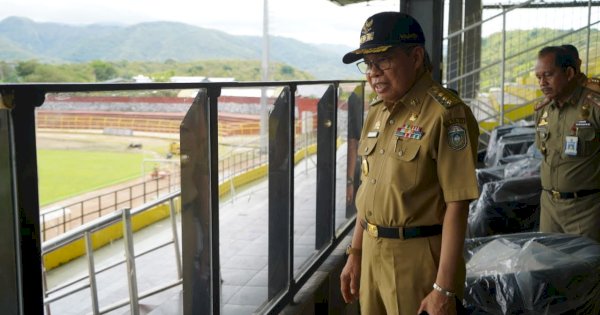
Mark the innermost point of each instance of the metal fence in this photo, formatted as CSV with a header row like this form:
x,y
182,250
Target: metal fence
x,y
60,219
490,63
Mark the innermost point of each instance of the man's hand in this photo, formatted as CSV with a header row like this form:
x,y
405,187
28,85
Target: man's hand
x,y
350,279
436,303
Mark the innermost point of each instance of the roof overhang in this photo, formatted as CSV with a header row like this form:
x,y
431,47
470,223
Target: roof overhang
x,y
346,2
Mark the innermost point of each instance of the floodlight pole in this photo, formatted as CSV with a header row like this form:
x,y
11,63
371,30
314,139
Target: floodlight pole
x,y
265,76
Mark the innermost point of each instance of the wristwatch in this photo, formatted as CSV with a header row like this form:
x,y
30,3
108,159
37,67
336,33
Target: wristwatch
x,y
353,251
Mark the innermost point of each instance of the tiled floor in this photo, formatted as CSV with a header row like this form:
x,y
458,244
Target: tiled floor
x,y
243,253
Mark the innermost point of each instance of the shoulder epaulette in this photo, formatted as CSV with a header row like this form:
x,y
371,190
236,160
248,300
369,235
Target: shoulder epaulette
x,y
593,84
444,97
594,98
542,104
376,102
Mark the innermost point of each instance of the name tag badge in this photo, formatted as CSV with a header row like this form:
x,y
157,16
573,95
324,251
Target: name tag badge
x,y
583,124
372,134
571,145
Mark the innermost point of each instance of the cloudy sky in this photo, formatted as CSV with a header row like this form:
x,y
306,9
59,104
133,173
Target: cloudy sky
x,y
314,21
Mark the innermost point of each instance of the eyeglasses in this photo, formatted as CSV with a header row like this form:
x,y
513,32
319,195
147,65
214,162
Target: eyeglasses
x,y
367,66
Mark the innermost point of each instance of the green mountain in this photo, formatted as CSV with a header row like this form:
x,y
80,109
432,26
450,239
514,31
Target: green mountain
x,y
23,39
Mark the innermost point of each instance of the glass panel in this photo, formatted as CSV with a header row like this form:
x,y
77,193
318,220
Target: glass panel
x,y
244,202
305,179
98,153
350,117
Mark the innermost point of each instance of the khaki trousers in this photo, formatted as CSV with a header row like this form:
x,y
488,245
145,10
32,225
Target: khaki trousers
x,y
573,216
396,275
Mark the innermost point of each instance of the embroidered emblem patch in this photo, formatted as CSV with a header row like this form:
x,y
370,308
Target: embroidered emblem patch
x,y
457,137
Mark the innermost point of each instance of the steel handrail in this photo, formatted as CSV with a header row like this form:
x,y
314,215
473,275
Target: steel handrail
x,y
99,223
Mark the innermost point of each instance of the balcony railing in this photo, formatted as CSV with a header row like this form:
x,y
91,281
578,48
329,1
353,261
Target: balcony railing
x,y
199,137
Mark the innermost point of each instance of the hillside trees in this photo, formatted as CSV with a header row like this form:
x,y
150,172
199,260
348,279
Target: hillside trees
x,y
99,71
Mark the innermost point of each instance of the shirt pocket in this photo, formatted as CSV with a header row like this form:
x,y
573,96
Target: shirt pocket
x,y
366,148
588,141
402,168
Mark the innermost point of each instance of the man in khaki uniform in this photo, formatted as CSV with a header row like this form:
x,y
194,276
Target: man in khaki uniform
x,y
568,135
418,147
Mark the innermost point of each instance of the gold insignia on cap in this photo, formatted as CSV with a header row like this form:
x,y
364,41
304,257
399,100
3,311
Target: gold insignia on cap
x,y
367,27
375,50
366,33
409,36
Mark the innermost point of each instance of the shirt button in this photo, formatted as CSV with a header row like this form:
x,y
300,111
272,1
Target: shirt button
x,y
391,122
373,181
382,151
400,153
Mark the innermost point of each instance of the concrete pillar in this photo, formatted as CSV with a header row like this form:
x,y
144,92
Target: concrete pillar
x,y
430,14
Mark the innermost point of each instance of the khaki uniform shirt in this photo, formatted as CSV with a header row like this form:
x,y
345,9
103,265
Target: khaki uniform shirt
x,y
569,139
417,154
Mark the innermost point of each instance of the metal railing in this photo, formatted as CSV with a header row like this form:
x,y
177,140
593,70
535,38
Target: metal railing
x,y
22,99
85,231
60,219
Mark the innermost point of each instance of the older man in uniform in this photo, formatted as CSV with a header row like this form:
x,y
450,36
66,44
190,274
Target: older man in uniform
x,y
568,135
418,147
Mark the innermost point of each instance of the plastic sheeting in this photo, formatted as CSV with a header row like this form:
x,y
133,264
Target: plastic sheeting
x,y
521,165
523,168
532,273
489,174
508,140
507,206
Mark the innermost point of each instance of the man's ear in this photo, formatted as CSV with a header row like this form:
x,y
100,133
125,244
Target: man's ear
x,y
570,73
418,55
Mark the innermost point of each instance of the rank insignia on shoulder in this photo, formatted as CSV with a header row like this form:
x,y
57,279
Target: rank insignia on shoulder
x,y
457,137
594,98
593,84
444,97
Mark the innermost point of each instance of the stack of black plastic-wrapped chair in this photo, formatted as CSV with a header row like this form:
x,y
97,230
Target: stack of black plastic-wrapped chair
x,y
510,184
511,267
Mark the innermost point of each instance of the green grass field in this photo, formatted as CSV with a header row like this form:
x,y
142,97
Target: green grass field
x,y
67,173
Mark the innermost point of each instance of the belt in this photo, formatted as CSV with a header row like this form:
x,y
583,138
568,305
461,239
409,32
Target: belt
x,y
402,233
570,195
